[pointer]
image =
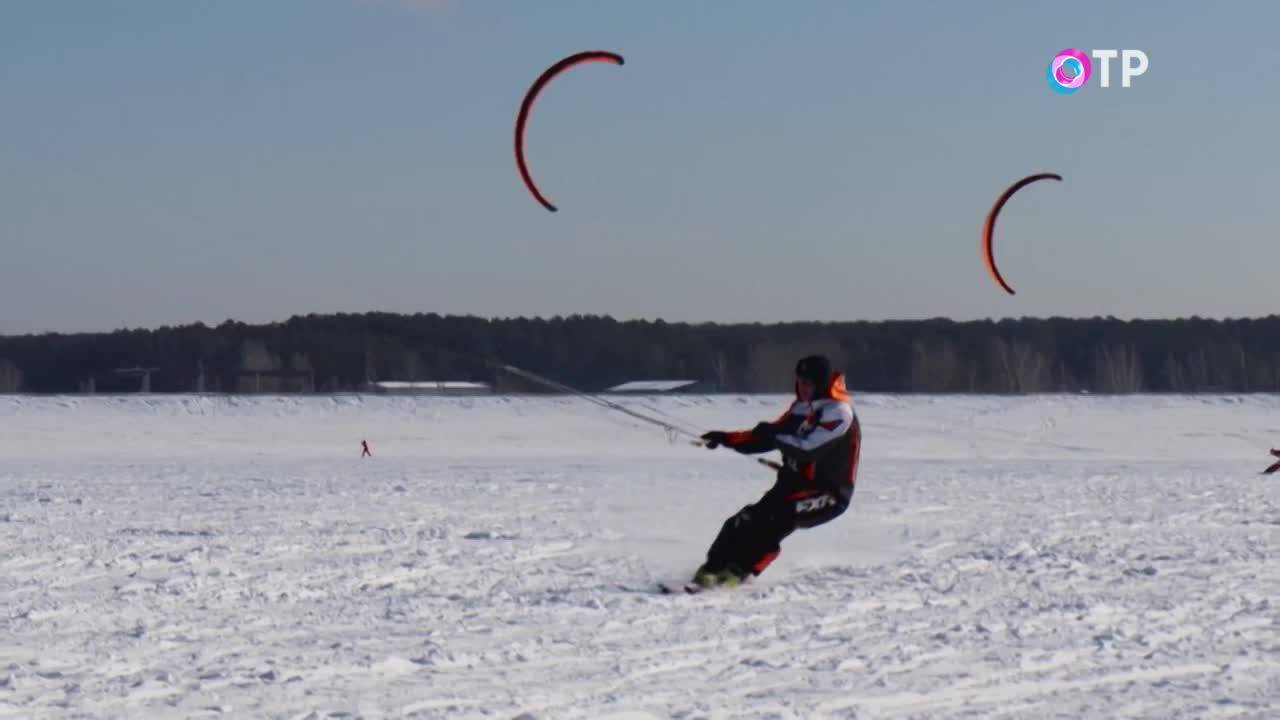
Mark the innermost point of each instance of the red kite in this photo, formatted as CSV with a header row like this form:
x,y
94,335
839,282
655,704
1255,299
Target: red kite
x,y
990,224
523,117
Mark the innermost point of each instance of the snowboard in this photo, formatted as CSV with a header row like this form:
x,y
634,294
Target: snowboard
x,y
693,588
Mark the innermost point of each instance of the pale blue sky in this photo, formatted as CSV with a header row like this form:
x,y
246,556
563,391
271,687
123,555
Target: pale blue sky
x,y
166,162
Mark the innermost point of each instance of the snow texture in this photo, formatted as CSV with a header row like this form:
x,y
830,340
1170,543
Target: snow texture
x,y
1032,557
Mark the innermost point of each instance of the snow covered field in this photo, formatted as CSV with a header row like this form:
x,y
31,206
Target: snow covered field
x,y
1035,557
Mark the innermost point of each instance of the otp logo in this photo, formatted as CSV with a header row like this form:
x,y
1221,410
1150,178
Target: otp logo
x,y
1069,71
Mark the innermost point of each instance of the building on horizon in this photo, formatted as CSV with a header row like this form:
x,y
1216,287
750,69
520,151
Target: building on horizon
x,y
661,387
427,387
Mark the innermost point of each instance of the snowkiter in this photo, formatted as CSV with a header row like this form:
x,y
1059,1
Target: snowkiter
x,y
820,441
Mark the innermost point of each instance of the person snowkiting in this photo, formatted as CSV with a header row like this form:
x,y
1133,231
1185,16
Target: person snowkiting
x,y
820,440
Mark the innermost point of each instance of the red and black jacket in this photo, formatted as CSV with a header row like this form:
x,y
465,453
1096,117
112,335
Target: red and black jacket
x,y
820,440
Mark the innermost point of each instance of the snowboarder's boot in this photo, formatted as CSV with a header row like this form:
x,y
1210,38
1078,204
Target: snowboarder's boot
x,y
730,578
724,577
706,577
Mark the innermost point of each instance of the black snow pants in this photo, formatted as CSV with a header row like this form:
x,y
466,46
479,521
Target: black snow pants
x,y
752,538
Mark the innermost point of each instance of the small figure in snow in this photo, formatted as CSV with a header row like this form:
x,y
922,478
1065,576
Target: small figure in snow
x,y
1275,465
364,447
820,441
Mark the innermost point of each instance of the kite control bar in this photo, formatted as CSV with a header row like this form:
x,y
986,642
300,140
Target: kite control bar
x,y
763,461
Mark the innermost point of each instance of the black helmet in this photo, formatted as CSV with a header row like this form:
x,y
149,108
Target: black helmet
x,y
815,368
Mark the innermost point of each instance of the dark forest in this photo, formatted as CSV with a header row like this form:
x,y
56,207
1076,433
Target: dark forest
x,y
338,353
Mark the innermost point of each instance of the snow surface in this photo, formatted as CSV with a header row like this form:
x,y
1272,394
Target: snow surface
x,y
1032,557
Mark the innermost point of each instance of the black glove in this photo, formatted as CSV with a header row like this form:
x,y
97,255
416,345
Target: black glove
x,y
714,439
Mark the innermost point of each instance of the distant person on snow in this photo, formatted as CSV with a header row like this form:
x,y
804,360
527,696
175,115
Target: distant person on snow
x,y
1275,465
820,441
364,446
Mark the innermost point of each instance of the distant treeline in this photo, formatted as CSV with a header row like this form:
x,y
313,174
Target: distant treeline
x,y
329,353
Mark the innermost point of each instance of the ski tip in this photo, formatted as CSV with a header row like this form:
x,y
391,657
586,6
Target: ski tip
x,y
686,588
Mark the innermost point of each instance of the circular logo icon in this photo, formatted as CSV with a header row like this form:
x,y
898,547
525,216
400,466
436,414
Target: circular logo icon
x,y
1069,71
